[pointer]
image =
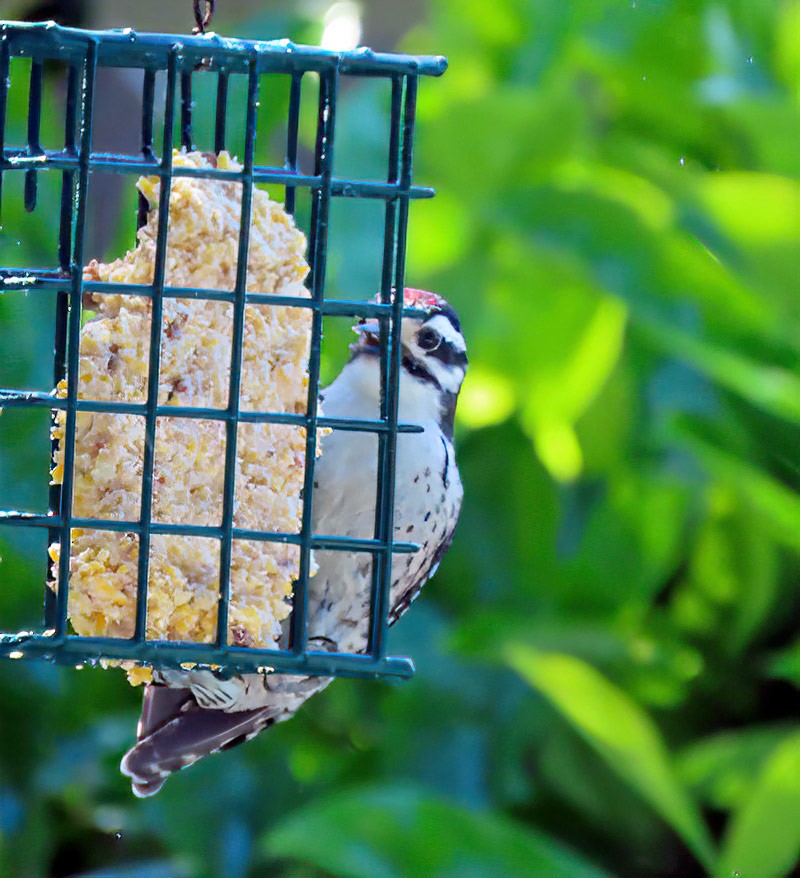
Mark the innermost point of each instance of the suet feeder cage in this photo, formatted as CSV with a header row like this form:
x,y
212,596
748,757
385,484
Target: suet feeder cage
x,y
180,61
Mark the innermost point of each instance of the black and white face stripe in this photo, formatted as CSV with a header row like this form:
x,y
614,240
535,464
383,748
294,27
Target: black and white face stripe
x,y
443,346
448,326
435,351
418,370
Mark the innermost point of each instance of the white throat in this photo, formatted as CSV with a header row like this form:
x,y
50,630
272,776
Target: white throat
x,y
356,393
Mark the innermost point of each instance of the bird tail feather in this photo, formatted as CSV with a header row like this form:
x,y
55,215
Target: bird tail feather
x,y
174,732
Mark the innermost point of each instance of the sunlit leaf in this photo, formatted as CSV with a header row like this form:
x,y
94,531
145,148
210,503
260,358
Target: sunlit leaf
x,y
437,235
621,732
487,398
637,193
764,838
753,208
787,37
557,446
559,399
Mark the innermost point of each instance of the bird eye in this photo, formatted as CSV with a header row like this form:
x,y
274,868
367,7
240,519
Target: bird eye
x,y
428,339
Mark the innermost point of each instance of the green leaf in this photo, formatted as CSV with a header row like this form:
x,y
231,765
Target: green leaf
x,y
721,769
485,634
571,770
621,732
753,208
398,831
771,388
764,838
776,505
551,412
142,869
785,665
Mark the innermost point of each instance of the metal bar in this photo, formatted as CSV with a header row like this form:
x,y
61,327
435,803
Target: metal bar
x,y
323,167
67,185
168,654
38,399
390,343
34,126
148,99
71,116
379,618
328,542
29,279
62,306
73,343
221,112
18,159
35,109
5,83
292,136
128,48
240,291
186,111
159,274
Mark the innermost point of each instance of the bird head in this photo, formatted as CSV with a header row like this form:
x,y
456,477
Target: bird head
x,y
433,352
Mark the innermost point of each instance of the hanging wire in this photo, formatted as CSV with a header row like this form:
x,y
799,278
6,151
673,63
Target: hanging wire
x,y
203,18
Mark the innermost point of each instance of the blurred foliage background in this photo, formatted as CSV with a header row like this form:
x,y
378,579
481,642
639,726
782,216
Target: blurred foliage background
x,y
608,660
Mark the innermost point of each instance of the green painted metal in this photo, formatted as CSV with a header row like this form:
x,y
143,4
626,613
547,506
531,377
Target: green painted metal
x,y
183,57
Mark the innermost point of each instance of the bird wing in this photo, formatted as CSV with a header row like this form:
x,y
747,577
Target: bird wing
x,y
407,597
174,731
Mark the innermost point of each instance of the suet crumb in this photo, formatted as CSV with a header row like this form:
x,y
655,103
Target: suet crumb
x,y
188,473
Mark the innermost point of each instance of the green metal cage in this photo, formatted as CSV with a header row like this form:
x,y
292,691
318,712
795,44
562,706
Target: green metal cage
x,y
82,53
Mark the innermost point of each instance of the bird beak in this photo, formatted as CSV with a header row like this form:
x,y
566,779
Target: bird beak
x,y
369,330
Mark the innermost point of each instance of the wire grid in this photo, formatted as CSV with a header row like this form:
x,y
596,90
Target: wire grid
x,y
183,58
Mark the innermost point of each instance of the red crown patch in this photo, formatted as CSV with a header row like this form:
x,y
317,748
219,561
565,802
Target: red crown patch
x,y
422,299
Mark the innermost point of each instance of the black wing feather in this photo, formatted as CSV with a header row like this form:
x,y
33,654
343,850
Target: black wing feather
x,y
175,731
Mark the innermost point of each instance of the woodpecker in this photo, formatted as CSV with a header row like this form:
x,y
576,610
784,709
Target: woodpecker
x,y
187,715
